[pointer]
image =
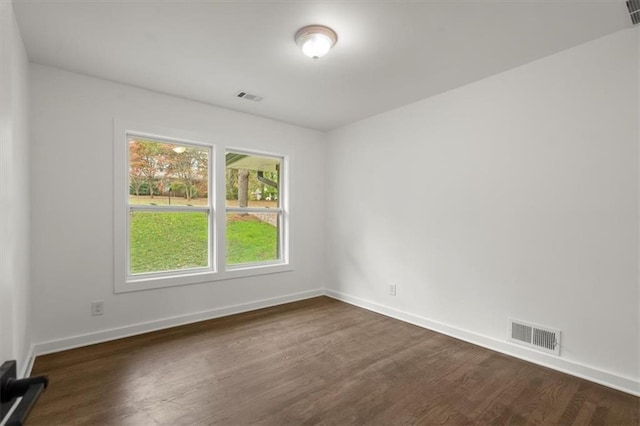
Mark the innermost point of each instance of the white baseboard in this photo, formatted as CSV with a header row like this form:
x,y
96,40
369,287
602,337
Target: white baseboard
x,y
72,342
573,368
27,363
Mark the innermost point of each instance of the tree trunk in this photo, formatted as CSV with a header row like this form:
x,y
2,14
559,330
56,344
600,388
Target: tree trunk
x,y
243,187
151,187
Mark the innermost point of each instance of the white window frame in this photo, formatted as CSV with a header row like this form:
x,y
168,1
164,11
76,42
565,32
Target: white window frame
x,y
217,270
124,281
282,263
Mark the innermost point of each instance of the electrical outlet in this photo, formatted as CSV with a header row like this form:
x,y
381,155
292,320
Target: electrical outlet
x,y
392,289
97,308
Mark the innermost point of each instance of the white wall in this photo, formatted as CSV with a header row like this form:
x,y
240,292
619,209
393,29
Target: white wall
x,y
72,174
15,326
515,196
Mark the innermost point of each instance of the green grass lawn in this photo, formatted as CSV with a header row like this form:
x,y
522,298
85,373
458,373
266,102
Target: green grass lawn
x,y
163,241
250,240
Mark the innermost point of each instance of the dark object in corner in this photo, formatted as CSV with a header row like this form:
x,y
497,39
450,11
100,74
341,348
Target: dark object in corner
x,y
634,11
12,388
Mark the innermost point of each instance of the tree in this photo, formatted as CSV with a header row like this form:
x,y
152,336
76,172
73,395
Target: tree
x,y
231,182
190,167
146,161
243,187
136,179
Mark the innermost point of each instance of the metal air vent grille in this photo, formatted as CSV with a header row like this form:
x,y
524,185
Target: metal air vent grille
x,y
536,337
249,96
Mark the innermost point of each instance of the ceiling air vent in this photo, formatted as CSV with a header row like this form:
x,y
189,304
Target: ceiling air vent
x,y
541,338
249,96
634,10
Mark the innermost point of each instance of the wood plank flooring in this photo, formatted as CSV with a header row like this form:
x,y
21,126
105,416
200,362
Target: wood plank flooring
x,y
317,361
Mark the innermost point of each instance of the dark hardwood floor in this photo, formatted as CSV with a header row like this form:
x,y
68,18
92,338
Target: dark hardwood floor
x,y
318,361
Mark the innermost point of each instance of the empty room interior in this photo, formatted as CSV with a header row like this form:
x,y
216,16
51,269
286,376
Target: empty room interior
x,y
320,212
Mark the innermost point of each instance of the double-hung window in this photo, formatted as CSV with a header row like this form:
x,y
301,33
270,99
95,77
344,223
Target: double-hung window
x,y
173,222
255,217
169,220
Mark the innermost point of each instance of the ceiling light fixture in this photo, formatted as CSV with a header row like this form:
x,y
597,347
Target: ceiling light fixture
x,y
316,40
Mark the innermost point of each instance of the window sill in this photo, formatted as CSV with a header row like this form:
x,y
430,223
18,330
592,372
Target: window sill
x,y
200,277
253,270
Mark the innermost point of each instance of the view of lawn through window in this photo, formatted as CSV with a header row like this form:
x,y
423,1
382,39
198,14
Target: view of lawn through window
x,y
253,208
169,207
165,241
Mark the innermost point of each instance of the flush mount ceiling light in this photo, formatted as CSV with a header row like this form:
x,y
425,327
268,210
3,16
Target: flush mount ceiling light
x,y
316,40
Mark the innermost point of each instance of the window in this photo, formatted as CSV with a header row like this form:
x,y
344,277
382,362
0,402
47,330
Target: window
x,y
254,209
169,221
167,231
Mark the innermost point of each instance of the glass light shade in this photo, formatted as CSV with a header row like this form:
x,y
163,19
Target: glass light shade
x,y
316,46
316,40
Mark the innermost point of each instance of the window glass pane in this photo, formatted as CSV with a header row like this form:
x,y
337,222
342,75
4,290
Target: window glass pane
x,y
252,180
162,173
166,241
252,237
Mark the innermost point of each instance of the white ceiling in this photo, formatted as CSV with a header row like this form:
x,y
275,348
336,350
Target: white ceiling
x,y
389,53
